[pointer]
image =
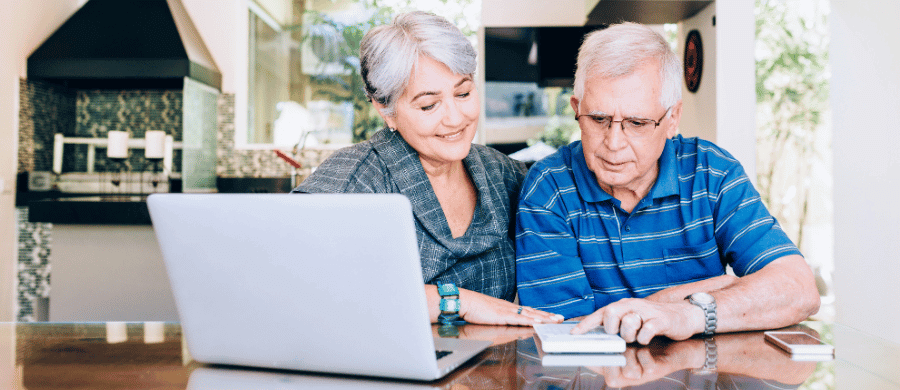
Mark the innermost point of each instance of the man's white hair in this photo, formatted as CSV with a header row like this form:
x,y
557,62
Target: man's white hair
x,y
619,50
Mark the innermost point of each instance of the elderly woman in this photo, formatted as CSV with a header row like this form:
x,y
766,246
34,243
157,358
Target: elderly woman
x,y
418,72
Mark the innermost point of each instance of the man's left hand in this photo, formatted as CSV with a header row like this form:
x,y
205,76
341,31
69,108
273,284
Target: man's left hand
x,y
641,320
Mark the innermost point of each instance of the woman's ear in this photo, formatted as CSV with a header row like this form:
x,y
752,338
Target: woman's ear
x,y
388,120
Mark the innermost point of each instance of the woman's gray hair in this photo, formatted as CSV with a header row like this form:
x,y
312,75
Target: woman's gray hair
x,y
619,50
389,53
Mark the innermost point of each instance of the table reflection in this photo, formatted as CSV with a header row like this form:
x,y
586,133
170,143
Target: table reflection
x,y
152,355
726,361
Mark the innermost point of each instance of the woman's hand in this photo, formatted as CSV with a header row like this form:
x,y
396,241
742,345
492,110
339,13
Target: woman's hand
x,y
482,309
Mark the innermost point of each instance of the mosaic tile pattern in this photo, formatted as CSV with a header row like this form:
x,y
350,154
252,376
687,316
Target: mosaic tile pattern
x,y
44,110
47,109
33,265
251,162
134,111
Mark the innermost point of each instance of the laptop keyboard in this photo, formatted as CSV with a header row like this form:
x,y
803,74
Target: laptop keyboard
x,y
440,354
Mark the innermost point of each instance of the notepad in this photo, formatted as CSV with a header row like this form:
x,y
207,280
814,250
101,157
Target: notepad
x,y
556,338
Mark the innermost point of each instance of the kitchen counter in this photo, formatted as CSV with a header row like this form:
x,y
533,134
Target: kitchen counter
x,y
106,262
91,210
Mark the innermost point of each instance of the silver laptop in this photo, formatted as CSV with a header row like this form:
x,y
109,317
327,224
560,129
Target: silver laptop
x,y
323,283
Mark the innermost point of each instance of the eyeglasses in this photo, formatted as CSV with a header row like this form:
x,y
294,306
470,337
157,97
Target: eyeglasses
x,y
633,127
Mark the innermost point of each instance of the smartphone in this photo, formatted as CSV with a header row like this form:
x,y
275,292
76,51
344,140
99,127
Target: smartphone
x,y
799,343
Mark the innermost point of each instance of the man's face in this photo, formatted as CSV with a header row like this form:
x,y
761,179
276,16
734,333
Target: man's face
x,y
622,159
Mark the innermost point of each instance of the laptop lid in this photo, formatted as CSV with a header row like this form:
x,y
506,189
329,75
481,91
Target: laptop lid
x,y
325,283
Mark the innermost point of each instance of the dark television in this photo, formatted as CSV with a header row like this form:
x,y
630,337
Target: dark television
x,y
507,52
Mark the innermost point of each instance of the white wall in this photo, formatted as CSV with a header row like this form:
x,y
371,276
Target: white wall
x,y
698,118
223,27
24,24
535,13
736,81
724,108
865,56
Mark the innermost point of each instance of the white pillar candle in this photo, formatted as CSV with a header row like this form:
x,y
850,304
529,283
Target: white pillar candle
x,y
169,156
154,144
154,332
117,144
58,142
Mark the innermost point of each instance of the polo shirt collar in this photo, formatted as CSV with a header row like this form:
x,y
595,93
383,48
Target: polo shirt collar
x,y
666,183
588,188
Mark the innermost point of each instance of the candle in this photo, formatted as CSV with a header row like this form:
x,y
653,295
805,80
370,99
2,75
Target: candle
x,y
117,144
58,142
155,141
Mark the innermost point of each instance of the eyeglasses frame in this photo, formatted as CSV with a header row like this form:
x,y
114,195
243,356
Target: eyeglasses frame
x,y
608,127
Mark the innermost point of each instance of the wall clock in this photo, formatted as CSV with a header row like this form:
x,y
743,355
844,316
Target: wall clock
x,y
693,60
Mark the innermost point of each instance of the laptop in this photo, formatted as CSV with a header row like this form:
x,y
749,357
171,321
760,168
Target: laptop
x,y
323,283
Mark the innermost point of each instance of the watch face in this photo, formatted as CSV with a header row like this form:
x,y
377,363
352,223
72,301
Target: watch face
x,y
702,298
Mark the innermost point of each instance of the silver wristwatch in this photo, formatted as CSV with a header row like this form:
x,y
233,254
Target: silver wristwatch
x,y
708,304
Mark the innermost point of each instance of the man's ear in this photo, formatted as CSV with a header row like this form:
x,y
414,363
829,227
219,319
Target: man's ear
x,y
388,120
674,120
574,102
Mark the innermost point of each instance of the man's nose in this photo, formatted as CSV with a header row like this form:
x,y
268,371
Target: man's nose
x,y
615,138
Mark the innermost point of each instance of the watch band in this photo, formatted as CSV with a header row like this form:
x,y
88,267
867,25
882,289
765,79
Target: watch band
x,y
708,304
712,357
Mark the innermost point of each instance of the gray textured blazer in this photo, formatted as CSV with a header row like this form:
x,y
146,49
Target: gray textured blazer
x,y
483,259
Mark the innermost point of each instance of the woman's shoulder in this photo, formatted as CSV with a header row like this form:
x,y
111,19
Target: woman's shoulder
x,y
346,169
494,159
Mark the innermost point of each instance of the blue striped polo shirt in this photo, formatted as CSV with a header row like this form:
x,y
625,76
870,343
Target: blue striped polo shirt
x,y
577,250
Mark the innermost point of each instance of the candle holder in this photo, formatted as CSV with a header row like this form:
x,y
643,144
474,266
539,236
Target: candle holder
x,y
117,153
117,175
156,176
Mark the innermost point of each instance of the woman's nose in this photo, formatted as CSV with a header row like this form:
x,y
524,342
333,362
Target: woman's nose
x,y
453,114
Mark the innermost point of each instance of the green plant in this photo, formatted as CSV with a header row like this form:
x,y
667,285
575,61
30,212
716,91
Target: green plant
x,y
561,128
792,105
337,43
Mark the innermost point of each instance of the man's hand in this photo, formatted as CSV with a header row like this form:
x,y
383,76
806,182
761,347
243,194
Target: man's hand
x,y
646,364
483,309
641,320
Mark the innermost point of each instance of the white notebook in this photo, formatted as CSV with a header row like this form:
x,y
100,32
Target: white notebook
x,y
555,338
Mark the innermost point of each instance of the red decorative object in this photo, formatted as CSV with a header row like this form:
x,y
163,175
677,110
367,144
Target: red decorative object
x,y
693,60
284,156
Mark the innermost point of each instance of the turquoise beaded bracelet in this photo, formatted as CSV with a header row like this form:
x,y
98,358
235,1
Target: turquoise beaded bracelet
x,y
449,304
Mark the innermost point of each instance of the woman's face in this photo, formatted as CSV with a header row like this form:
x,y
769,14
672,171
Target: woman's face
x,y
437,113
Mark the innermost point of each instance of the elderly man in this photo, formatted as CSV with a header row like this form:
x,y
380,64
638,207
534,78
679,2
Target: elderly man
x,y
634,225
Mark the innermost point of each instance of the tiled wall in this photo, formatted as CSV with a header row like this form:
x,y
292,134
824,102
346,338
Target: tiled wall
x,y
44,110
134,111
243,162
47,109
33,266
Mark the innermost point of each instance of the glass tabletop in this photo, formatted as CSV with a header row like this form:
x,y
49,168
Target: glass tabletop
x,y
153,355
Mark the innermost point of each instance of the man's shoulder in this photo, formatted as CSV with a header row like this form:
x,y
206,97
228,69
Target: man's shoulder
x,y
549,174
559,161
696,153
